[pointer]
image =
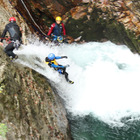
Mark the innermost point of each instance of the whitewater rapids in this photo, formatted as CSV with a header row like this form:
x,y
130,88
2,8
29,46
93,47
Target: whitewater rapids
x,y
106,76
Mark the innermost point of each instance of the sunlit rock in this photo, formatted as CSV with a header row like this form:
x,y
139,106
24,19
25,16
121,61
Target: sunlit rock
x,y
86,1
125,20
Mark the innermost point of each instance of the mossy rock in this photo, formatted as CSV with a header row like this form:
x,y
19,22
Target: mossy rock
x,y
3,130
90,30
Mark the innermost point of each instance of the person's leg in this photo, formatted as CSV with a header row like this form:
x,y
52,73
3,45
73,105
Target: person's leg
x,y
67,79
63,71
66,76
9,50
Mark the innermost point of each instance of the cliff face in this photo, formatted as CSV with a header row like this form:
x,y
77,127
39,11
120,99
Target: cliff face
x,y
92,20
29,107
7,11
118,21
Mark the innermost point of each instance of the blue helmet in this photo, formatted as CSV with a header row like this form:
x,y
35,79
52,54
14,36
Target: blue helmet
x,y
51,56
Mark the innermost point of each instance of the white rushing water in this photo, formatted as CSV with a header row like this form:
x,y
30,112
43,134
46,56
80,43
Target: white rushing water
x,y
106,76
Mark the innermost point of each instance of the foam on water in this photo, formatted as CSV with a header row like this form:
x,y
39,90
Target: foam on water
x,y
106,77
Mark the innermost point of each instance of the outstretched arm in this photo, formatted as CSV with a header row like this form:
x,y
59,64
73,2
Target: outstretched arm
x,y
60,57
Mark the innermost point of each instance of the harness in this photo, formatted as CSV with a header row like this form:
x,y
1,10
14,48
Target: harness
x,y
5,38
54,62
16,43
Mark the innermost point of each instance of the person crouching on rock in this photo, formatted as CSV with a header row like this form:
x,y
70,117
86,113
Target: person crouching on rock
x,y
15,37
50,60
57,30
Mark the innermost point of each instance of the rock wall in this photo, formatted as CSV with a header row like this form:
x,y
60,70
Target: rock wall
x,y
29,107
102,20
90,20
7,11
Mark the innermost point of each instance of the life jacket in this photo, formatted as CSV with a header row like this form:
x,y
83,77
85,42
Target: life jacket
x,y
58,29
50,62
54,62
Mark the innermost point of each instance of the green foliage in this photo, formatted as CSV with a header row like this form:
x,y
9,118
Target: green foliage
x,y
3,129
1,90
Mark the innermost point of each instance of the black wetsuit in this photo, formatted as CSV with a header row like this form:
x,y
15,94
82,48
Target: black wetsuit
x,y
15,36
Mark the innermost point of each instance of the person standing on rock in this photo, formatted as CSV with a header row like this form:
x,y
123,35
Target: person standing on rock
x,y
15,37
57,31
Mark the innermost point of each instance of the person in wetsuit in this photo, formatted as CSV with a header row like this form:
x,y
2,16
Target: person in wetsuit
x,y
50,60
57,30
15,37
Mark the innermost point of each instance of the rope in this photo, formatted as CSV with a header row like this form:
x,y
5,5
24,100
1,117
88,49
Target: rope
x,y
40,31
32,17
7,39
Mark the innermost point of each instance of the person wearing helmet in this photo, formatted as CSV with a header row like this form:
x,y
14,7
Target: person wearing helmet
x,y
15,37
57,30
51,61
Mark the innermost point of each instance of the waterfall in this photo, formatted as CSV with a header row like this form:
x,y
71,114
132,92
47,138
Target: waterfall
x,y
106,77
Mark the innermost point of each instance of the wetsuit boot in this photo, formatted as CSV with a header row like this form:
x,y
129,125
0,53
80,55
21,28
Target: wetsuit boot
x,y
9,51
71,82
16,57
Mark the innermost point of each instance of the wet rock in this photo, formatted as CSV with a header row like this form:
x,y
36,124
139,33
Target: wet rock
x,y
86,1
29,107
78,12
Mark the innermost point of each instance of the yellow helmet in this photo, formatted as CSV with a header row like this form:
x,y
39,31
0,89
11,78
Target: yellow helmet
x,y
58,18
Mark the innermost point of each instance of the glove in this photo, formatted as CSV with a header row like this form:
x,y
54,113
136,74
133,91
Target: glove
x,y
64,57
67,66
47,37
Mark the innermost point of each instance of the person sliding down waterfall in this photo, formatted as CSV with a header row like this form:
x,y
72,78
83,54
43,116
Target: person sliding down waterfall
x,y
15,38
50,60
57,31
